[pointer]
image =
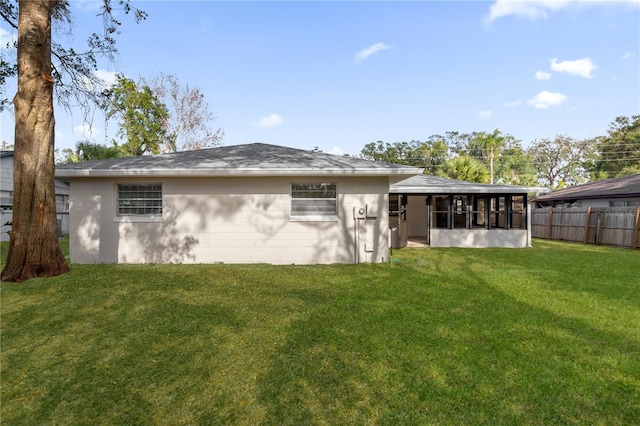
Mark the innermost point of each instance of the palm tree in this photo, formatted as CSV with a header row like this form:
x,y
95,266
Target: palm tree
x,y
464,168
88,151
490,144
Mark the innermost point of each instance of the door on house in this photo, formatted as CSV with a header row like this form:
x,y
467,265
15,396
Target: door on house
x,y
417,217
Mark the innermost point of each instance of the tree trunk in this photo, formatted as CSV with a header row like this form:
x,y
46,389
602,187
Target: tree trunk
x,y
34,249
491,164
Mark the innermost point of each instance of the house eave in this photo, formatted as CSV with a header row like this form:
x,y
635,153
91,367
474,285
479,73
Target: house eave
x,y
238,172
465,189
574,198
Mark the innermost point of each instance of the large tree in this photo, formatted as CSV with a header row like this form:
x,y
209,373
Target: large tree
x,y
397,152
188,125
515,165
457,143
487,146
562,161
619,152
430,154
142,117
34,250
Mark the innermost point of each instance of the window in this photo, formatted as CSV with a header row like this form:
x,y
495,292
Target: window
x,y
466,211
497,208
6,200
478,212
313,200
62,203
517,212
140,199
441,211
394,205
460,211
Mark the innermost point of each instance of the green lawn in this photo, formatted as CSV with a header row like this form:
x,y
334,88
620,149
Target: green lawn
x,y
549,335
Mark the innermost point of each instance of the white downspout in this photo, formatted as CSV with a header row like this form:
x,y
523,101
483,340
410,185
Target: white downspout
x,y
355,237
528,224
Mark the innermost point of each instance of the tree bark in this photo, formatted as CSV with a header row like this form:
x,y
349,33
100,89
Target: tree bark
x,y
491,164
34,249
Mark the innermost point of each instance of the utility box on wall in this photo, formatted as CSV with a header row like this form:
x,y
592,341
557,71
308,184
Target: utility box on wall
x,y
372,211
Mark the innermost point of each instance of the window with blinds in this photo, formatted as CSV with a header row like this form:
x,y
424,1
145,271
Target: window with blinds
x,y
140,199
314,199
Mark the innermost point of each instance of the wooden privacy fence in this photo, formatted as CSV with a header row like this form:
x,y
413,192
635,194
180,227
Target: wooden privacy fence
x,y
615,226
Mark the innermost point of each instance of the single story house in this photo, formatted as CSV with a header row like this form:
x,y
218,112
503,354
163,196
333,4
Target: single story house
x,y
450,213
233,204
616,192
6,198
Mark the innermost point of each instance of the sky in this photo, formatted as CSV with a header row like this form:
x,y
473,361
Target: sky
x,y
337,75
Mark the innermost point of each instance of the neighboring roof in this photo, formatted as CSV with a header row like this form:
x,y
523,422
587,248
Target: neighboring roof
x,y
628,186
256,159
4,154
436,185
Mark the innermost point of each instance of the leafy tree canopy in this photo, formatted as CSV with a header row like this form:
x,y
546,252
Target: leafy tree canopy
x,y
464,167
561,161
429,155
142,117
188,125
73,71
619,151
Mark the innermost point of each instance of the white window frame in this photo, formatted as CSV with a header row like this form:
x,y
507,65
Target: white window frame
x,y
313,216
138,217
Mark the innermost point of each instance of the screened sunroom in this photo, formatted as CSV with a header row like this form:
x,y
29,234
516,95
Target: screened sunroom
x,y
443,212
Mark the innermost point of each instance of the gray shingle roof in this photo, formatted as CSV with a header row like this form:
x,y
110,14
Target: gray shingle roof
x,y
628,186
256,159
437,185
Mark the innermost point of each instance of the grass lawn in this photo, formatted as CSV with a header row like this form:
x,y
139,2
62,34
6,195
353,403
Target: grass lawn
x,y
549,335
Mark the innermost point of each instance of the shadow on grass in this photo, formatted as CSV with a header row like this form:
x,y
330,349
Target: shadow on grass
x,y
128,356
437,336
443,346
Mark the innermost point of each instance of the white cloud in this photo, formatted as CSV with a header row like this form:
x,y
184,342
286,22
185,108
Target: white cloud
x,y
544,99
88,5
541,75
513,104
538,9
485,114
532,10
109,77
272,120
580,67
628,55
365,53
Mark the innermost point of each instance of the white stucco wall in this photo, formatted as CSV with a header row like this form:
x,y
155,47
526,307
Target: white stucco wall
x,y
474,238
417,216
230,220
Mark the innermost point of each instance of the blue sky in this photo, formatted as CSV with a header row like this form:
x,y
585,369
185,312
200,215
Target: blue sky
x,y
338,75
